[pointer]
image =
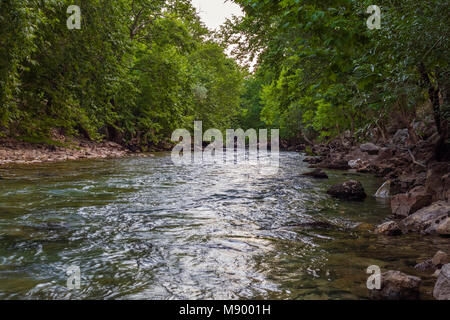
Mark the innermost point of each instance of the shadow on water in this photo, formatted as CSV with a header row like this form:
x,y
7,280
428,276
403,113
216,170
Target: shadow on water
x,y
143,228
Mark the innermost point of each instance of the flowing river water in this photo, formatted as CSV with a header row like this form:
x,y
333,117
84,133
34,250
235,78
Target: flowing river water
x,y
142,228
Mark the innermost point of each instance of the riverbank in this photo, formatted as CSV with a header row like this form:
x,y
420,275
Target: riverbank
x,y
416,172
27,151
416,181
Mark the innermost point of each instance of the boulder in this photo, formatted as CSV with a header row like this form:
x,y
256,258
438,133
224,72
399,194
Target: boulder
x,y
396,285
406,204
390,228
318,173
442,288
400,137
336,164
408,181
427,219
349,190
370,148
439,259
444,227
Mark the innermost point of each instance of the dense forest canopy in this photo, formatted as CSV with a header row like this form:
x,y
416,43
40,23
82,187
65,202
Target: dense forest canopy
x,y
134,72
321,71
139,69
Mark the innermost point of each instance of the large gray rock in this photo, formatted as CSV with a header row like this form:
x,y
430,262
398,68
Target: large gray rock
x,y
349,190
370,148
396,285
427,219
442,288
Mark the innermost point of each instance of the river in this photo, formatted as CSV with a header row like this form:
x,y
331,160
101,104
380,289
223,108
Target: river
x,y
142,228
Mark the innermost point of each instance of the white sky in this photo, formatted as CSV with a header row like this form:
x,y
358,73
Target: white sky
x,y
214,12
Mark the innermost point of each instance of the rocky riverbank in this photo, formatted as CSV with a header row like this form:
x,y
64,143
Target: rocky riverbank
x,y
417,180
13,151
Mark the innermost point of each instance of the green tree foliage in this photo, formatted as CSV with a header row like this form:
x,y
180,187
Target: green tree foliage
x,y
137,70
320,68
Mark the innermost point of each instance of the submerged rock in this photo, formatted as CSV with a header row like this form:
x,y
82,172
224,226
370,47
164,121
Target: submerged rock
x,y
390,228
406,204
349,190
442,288
384,190
396,285
364,227
428,219
318,173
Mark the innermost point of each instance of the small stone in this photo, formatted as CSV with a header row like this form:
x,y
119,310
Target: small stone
x,y
356,164
390,228
396,285
425,266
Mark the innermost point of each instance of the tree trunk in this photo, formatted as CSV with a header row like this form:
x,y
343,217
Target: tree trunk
x,y
433,93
